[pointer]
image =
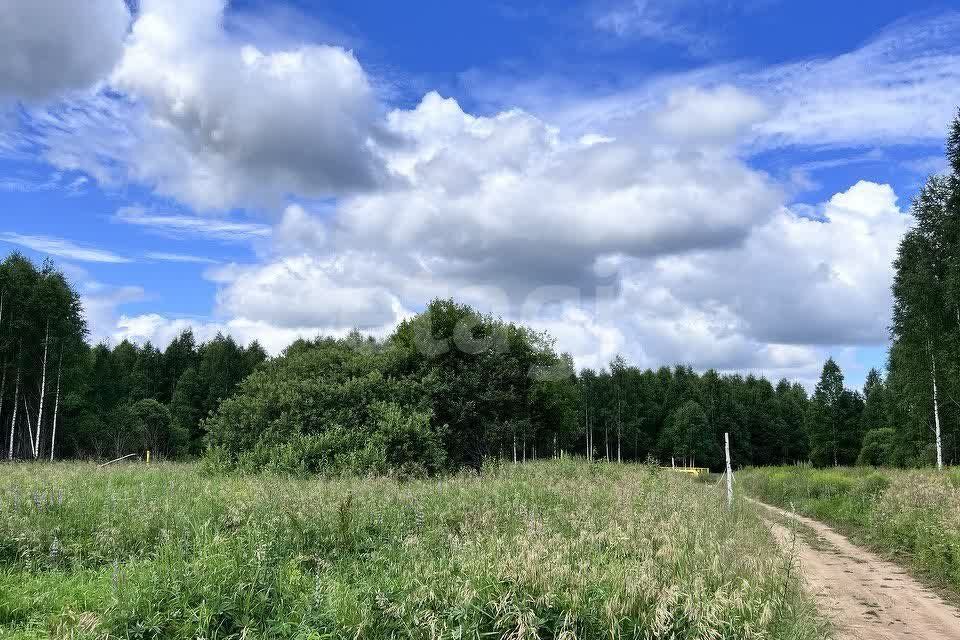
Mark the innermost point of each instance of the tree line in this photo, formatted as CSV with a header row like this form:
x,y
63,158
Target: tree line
x,y
452,388
41,330
61,397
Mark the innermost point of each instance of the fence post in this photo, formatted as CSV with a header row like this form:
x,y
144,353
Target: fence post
x,y
729,474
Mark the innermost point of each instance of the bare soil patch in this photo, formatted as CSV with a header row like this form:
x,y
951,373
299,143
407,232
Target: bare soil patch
x,y
865,596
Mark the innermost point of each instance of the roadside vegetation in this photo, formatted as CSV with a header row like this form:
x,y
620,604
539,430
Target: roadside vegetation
x,y
912,515
560,549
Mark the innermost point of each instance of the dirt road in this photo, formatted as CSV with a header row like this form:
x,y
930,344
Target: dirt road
x,y
866,597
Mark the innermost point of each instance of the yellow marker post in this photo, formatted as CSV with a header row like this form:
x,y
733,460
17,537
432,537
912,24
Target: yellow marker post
x,y
148,456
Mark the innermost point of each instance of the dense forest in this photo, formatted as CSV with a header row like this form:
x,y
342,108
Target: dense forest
x,y
452,388
61,397
449,389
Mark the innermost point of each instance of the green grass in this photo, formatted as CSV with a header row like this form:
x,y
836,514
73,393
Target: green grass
x,y
547,550
913,515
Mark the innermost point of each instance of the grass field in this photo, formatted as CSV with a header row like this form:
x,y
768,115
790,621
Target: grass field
x,y
914,515
555,549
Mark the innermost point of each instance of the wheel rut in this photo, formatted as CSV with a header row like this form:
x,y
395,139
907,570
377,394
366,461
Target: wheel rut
x,y
865,596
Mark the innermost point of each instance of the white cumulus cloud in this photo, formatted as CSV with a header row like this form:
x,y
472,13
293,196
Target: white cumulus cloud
x,y
631,223
495,199
219,123
48,47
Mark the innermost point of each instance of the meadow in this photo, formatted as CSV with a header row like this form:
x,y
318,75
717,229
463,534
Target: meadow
x,y
912,515
553,549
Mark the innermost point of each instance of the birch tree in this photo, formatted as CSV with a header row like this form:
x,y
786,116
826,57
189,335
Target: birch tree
x,y
43,390
26,415
56,407
13,420
38,311
923,316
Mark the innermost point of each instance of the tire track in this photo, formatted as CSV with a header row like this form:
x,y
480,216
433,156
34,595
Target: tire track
x,y
865,596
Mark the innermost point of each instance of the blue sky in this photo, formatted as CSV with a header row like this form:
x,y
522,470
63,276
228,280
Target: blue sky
x,y
717,183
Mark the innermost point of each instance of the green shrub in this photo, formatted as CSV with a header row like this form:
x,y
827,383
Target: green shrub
x,y
879,448
410,446
871,486
328,409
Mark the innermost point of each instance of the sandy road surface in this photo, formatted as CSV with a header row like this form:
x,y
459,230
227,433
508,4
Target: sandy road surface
x,y
866,597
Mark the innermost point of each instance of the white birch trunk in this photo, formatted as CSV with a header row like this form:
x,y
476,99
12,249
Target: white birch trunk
x,y
26,414
589,437
13,422
56,406
3,389
514,446
590,433
936,413
43,390
936,406
726,443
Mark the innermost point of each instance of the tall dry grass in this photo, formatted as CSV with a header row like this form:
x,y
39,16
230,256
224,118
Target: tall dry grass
x,y
914,514
559,549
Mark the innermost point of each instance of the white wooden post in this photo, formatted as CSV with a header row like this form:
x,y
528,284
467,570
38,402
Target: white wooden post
x,y
726,439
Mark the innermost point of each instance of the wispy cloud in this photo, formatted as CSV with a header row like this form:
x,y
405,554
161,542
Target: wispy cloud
x,y
899,88
927,165
61,247
694,25
28,183
643,19
178,257
179,226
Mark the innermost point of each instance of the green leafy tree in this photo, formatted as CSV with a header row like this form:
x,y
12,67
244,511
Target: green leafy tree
x,y
42,332
878,448
481,373
153,430
924,363
689,437
824,416
875,412
181,354
185,408
792,403
320,407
